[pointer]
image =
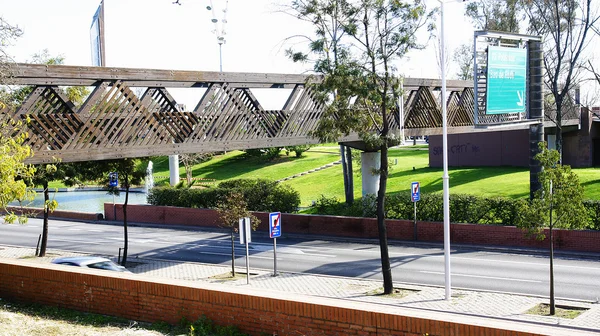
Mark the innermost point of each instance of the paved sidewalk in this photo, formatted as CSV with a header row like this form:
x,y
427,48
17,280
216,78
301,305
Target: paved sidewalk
x,y
476,303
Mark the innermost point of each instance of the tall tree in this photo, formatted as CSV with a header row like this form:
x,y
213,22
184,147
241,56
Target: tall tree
x,y
130,172
189,160
8,35
463,56
231,209
14,173
355,45
499,15
43,174
566,27
559,204
13,152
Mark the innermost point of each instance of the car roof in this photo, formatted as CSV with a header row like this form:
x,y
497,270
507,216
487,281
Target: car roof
x,y
82,260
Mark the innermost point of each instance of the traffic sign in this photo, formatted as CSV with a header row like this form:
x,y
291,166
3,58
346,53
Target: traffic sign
x,y
113,179
415,192
506,80
275,224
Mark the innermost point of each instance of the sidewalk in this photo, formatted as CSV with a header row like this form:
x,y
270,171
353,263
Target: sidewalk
x,y
465,302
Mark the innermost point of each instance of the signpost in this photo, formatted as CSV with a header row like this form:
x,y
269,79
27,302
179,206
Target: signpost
x,y
274,232
506,80
415,196
246,238
113,182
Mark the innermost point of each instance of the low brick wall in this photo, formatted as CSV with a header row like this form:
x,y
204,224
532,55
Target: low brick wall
x,y
583,241
64,214
253,311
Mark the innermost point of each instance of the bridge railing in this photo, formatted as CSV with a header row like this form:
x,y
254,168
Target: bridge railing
x,y
115,122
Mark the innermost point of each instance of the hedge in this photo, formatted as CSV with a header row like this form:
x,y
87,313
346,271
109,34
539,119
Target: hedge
x,y
463,208
260,194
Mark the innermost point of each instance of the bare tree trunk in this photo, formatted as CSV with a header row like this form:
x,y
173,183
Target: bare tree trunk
x,y
386,270
233,251
44,241
559,137
125,233
188,174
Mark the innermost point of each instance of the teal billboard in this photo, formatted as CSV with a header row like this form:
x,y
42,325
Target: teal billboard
x,y
506,80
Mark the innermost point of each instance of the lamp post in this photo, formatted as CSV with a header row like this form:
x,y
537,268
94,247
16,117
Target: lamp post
x,y
219,30
445,176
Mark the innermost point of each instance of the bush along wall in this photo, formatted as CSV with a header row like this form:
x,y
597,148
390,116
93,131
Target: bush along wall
x,y
463,209
260,194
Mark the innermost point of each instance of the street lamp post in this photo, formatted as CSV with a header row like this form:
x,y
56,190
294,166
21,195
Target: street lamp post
x,y
445,176
219,30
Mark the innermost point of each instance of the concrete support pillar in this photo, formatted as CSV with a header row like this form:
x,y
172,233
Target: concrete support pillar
x,y
173,169
370,182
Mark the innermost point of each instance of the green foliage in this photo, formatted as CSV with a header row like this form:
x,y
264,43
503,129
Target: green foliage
x,y
559,203
593,212
299,149
13,171
268,154
259,194
205,327
499,15
463,208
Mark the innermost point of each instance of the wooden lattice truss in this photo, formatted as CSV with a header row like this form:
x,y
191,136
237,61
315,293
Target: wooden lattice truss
x,y
114,122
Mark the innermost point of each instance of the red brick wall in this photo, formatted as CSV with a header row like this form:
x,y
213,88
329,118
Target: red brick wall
x,y
253,311
37,213
585,241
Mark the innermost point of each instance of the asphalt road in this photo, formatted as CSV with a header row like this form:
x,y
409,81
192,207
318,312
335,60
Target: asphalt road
x,y
516,272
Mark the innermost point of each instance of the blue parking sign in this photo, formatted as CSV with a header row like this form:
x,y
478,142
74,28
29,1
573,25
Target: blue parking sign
x,y
415,192
275,224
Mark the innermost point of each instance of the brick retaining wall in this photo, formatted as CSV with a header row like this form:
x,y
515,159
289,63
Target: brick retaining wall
x,y
253,311
65,214
476,234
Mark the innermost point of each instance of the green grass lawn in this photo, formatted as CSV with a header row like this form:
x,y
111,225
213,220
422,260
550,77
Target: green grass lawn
x,y
235,164
413,165
409,164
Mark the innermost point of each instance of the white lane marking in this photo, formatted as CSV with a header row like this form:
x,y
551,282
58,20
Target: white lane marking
x,y
96,230
75,229
483,277
420,256
77,241
238,256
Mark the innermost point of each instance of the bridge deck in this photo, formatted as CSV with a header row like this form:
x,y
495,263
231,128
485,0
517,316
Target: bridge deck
x,y
114,122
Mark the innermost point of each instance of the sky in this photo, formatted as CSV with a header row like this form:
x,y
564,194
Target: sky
x,y
158,34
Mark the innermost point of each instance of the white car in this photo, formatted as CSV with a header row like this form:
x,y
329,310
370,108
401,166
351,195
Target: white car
x,y
90,262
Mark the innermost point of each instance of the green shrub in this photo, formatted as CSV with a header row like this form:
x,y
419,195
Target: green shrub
x,y
593,210
299,149
261,195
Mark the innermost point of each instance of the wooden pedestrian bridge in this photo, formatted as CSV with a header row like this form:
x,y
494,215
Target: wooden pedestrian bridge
x,y
113,122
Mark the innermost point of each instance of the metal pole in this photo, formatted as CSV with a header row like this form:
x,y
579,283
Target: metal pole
x,y
247,229
445,177
274,256
415,222
220,57
114,208
247,261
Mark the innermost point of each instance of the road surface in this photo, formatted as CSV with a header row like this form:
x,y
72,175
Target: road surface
x,y
487,269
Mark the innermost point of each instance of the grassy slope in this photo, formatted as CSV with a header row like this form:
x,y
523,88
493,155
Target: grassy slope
x,y
235,165
487,181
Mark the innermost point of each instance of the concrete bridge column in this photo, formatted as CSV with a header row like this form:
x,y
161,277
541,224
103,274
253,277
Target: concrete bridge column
x,y
173,169
370,182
